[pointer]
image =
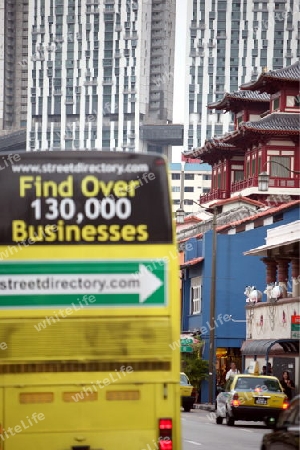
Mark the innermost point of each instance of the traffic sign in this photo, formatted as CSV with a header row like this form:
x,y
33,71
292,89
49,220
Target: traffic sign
x,y
186,349
186,341
105,283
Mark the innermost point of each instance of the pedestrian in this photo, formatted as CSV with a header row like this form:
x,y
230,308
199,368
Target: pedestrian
x,y
232,371
264,370
287,384
269,369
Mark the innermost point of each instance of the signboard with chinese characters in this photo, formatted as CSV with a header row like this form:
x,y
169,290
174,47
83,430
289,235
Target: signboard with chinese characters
x,y
295,327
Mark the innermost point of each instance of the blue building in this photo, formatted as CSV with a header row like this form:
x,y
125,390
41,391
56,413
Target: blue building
x,y
234,272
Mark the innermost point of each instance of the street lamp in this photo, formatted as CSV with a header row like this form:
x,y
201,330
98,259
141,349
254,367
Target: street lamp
x,y
263,177
263,181
180,219
180,214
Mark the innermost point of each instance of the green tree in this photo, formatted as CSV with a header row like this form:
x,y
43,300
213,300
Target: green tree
x,y
194,366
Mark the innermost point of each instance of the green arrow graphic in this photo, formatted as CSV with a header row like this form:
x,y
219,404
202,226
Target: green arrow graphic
x,y
111,283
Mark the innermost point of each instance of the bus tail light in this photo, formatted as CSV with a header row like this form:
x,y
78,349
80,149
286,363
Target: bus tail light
x,y
235,400
165,434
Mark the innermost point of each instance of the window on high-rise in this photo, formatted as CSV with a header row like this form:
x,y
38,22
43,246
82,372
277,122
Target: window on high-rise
x,y
218,130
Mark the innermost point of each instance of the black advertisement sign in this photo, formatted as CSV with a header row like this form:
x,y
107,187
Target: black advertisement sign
x,y
82,197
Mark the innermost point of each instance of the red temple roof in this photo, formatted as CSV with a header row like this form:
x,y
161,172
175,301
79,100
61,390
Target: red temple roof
x,y
279,123
267,212
236,199
272,80
234,101
208,147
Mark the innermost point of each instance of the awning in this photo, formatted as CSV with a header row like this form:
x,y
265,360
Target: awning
x,y
264,346
262,250
191,262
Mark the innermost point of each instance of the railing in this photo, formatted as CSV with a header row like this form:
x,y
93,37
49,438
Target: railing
x,y
243,184
284,182
216,194
273,183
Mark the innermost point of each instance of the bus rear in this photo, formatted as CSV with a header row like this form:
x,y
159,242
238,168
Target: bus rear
x,y
89,298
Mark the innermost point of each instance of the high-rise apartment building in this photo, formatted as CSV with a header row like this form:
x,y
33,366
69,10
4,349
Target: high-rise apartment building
x,y
101,75
230,43
13,64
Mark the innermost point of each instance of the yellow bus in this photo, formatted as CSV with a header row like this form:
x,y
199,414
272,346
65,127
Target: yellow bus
x,y
89,303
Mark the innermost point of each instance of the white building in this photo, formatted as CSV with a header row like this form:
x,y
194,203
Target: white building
x,y
13,65
101,75
229,43
197,181
274,325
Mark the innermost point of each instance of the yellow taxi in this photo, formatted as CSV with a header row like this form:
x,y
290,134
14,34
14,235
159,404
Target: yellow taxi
x,y
251,398
187,393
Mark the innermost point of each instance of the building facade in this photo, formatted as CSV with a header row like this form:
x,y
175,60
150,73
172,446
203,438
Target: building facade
x,y
99,73
230,43
13,65
238,228
265,139
274,326
197,181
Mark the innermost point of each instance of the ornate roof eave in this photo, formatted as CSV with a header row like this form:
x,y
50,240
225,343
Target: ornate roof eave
x,y
209,144
271,86
214,151
274,80
255,137
275,124
244,137
271,132
235,101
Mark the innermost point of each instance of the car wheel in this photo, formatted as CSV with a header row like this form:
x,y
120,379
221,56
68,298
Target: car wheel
x,y
219,420
229,420
187,409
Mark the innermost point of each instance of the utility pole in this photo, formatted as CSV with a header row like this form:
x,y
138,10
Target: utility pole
x,y
211,365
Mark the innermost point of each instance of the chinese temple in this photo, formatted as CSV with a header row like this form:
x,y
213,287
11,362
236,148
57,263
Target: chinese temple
x,y
265,139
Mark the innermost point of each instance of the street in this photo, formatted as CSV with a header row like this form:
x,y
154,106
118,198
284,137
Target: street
x,y
200,430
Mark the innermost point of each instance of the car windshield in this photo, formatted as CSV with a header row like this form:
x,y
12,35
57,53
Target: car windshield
x,y
184,379
258,384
